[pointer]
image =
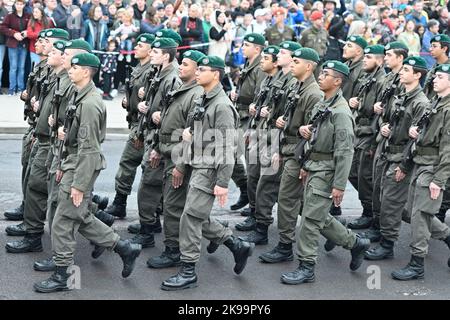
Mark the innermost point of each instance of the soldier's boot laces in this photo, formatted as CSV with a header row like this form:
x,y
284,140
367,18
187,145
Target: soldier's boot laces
x,y
145,237
241,251
119,206
29,243
359,248
169,258
128,252
45,265
248,224
15,214
56,282
16,230
282,252
303,274
258,236
243,199
414,270
385,250
102,202
184,279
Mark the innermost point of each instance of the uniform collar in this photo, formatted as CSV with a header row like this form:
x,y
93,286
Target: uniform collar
x,y
214,92
85,91
186,86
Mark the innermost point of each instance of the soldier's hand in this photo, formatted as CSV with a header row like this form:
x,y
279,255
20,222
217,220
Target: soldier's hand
x,y
252,109
61,134
24,95
187,137
233,96
280,123
124,103
377,108
59,175
353,102
305,131
141,93
221,195
33,100
435,190
51,121
36,106
276,161
77,196
156,117
142,107
303,176
177,178
155,158
337,196
385,131
413,133
264,112
399,174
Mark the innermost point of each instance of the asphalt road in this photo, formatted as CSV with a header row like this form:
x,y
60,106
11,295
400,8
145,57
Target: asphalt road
x,y
101,279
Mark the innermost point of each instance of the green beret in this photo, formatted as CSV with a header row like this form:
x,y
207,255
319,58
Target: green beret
x,y
441,38
42,34
194,55
60,45
164,43
290,45
147,38
416,62
396,45
360,41
169,33
337,66
212,61
255,38
273,50
443,68
57,33
79,44
375,49
307,54
86,59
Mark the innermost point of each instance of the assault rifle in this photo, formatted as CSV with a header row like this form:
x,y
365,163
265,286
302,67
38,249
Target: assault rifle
x,y
70,115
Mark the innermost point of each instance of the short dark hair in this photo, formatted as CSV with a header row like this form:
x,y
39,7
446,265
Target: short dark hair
x,y
445,45
341,76
92,70
401,52
221,73
171,51
422,72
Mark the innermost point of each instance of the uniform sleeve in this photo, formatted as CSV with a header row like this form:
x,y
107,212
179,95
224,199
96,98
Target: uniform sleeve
x,y
442,173
343,149
225,124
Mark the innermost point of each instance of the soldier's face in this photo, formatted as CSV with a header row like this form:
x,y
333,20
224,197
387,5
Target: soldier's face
x,y
436,49
67,57
142,50
248,49
38,46
350,50
205,75
55,58
406,74
441,83
267,64
284,58
327,80
77,73
187,69
157,57
48,45
369,62
298,67
391,60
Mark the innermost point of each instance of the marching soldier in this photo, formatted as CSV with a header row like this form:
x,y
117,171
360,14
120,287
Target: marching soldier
x,y
325,175
176,174
428,178
409,105
134,148
210,176
249,83
305,95
37,189
80,168
365,131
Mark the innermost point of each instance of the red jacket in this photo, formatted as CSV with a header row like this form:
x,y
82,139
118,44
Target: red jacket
x,y
12,24
32,35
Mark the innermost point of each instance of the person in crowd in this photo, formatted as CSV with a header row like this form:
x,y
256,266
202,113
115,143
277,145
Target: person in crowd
x,y
410,38
151,24
219,35
38,22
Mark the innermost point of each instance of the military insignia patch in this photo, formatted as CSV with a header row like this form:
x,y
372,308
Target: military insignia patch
x,y
330,65
251,39
387,47
75,60
412,62
271,50
205,61
157,44
438,38
445,68
159,34
144,39
352,38
187,54
83,132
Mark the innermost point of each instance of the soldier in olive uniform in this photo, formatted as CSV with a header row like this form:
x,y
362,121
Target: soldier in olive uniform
x,y
431,159
279,32
365,131
134,148
249,83
212,168
176,174
151,184
265,177
80,169
325,176
37,189
407,106
306,95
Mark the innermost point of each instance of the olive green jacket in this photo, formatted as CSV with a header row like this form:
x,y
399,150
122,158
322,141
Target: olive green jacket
x,y
428,84
250,81
316,39
138,78
351,85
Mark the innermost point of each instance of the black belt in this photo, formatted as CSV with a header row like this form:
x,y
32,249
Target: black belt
x,y
319,156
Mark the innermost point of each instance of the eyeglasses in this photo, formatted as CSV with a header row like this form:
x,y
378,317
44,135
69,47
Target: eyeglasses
x,y
203,69
326,74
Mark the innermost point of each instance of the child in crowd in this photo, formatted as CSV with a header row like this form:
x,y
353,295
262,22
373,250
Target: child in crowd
x,y
125,30
108,68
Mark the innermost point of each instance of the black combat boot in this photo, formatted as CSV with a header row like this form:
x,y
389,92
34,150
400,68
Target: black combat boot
x,y
56,282
374,233
247,212
248,224
414,270
282,252
257,236
145,237
105,218
136,227
243,199
241,251
440,215
303,274
119,206
359,248
169,258
45,265
363,222
128,252
15,214
30,243
335,211
16,230
184,279
385,250
102,202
